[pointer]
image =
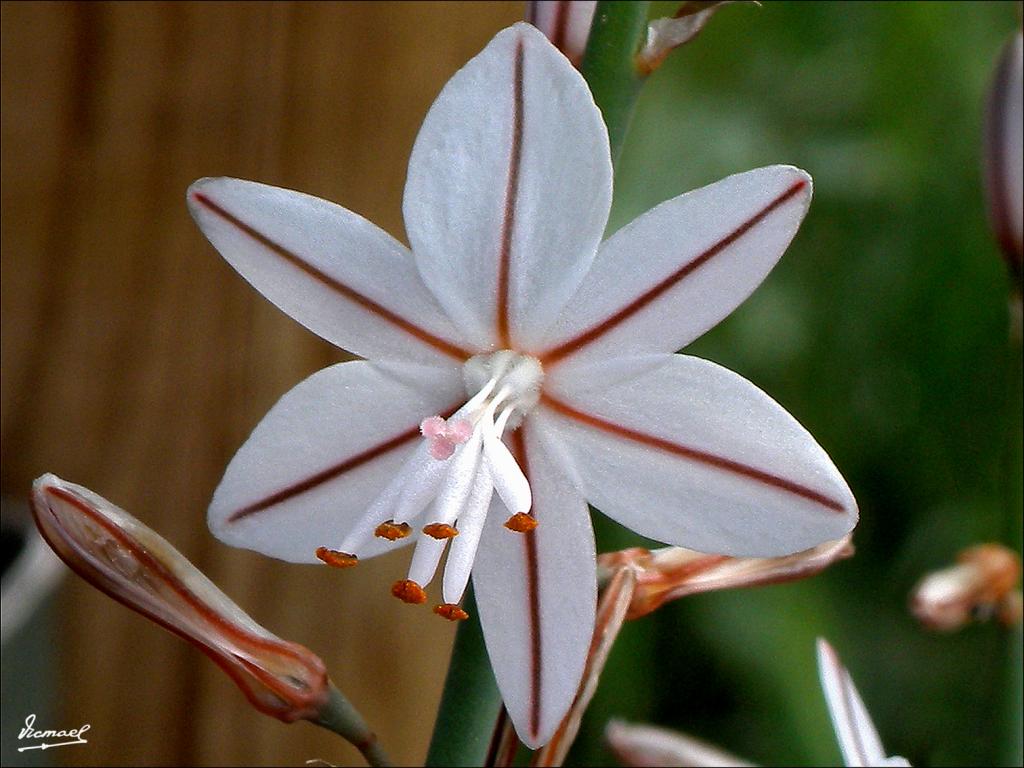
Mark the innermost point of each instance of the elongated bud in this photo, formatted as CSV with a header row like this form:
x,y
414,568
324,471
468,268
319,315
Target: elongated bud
x,y
1004,155
982,585
646,745
565,22
673,572
123,558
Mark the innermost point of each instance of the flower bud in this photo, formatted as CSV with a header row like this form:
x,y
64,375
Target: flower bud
x,y
1004,155
566,23
646,745
981,585
123,558
673,572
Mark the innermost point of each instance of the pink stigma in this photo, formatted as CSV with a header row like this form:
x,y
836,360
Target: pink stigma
x,y
442,437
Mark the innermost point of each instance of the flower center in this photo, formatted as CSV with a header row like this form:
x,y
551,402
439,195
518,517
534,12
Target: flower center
x,y
445,488
512,378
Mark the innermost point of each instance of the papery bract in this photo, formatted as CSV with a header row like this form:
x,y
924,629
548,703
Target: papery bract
x,y
557,350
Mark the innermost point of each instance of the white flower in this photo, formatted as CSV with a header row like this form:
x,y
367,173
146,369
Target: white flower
x,y
538,357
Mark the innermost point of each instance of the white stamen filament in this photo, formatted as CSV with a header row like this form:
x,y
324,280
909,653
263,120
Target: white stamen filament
x,y
451,499
452,479
463,548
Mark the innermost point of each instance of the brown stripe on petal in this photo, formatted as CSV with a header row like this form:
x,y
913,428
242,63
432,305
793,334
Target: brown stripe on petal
x,y
693,454
330,473
518,447
334,284
577,343
511,193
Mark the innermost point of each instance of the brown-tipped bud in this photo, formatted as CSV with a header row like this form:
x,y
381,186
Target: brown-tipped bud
x,y
646,745
673,572
982,585
123,558
1004,154
565,22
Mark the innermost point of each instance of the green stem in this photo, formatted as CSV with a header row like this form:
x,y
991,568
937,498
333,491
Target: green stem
x,y
339,716
609,64
470,704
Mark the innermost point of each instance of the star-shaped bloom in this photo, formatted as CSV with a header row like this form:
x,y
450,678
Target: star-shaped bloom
x,y
516,369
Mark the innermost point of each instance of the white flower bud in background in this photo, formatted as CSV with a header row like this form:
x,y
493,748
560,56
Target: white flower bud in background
x,y
566,23
647,745
1004,154
982,585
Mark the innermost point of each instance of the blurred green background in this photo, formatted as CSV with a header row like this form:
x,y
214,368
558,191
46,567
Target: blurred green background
x,y
884,331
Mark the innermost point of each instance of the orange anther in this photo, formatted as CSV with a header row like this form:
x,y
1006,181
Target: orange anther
x,y
451,612
392,531
336,559
440,531
409,591
521,522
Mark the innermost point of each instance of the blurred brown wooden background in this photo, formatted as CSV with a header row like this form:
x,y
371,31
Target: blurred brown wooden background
x,y
135,361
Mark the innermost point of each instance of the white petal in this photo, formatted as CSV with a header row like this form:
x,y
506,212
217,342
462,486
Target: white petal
x,y
509,185
537,596
464,546
695,455
857,736
332,270
323,453
677,270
